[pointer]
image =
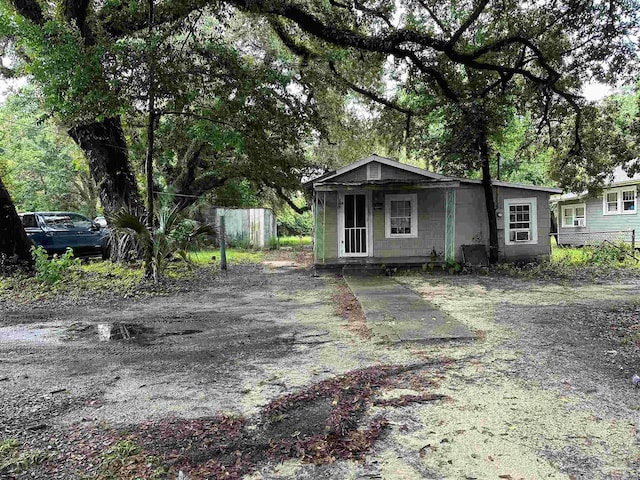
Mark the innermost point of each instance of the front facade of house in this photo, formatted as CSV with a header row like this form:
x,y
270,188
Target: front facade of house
x,y
380,211
611,216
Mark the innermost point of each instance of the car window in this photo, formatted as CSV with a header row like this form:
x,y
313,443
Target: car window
x,y
79,221
57,222
29,221
63,221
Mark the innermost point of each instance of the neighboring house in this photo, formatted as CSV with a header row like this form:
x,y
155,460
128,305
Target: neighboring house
x,y
612,215
380,211
245,227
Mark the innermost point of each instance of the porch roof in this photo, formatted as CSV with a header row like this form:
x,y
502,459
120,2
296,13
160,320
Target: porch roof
x,y
327,186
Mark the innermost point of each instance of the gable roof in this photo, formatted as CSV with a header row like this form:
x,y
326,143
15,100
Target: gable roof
x,y
620,176
419,171
385,161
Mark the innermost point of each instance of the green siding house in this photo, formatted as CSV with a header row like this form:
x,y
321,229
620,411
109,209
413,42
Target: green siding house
x,y
611,216
380,211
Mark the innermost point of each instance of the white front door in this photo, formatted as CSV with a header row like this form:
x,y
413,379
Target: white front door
x,y
353,222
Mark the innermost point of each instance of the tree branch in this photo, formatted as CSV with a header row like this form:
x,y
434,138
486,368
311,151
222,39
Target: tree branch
x,y
368,94
435,18
195,115
283,196
468,22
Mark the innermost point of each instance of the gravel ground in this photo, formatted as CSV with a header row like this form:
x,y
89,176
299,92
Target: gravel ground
x,y
544,391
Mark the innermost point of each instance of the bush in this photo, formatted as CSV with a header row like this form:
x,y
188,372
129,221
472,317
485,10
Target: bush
x,y
173,237
273,243
52,271
605,254
292,223
239,241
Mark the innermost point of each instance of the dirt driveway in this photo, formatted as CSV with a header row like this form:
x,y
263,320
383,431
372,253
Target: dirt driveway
x,y
256,375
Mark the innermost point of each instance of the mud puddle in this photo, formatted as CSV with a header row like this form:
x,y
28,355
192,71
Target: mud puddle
x,y
31,334
121,332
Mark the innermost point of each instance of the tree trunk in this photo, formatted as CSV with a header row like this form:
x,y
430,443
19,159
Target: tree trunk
x,y
15,245
105,147
489,201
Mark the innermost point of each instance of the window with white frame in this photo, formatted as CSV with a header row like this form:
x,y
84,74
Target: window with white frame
x,y
401,216
574,215
521,221
620,201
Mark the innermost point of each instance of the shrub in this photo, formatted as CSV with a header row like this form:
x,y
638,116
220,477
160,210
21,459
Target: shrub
x,y
52,271
240,241
166,242
273,243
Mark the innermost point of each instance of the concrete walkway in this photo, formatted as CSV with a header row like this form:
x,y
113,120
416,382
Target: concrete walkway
x,y
396,314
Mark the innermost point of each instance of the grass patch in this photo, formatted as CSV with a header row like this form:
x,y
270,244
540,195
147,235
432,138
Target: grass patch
x,y
80,280
126,459
294,241
591,261
13,462
209,257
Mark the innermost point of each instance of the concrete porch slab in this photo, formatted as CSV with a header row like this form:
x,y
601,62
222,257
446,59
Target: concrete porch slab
x,y
396,314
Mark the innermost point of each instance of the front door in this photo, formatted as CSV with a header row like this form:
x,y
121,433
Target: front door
x,y
354,235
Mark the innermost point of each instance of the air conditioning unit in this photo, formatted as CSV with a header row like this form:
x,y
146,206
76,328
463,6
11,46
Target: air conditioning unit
x,y
522,237
579,222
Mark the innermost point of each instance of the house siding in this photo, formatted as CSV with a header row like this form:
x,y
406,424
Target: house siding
x,y
388,173
596,221
472,226
539,250
431,220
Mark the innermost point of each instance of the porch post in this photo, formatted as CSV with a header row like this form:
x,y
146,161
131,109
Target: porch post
x,y
450,225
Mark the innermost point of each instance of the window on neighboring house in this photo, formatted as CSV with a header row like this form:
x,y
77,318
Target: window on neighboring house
x,y
620,201
520,221
401,215
628,200
574,215
612,202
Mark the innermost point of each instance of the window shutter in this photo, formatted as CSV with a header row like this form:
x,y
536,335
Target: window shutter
x,y
373,171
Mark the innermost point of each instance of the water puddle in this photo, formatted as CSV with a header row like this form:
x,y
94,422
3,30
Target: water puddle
x,y
127,332
121,332
21,334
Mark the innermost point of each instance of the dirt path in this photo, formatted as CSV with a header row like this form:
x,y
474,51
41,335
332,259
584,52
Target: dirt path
x,y
257,358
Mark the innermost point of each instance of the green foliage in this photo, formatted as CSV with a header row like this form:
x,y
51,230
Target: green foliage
x,y
14,462
608,254
273,243
452,267
293,223
7,447
125,459
205,257
586,263
53,270
41,166
172,238
294,241
239,241
609,133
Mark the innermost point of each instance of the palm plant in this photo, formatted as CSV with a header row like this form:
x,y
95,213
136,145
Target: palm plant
x,y
172,237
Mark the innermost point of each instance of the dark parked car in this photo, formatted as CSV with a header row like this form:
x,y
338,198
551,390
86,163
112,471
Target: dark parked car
x,y
55,231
